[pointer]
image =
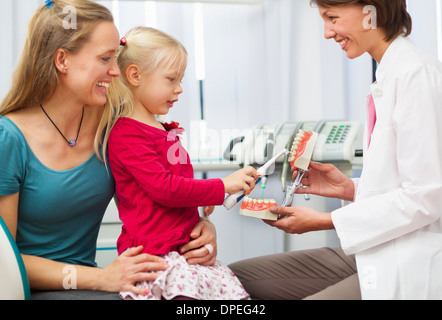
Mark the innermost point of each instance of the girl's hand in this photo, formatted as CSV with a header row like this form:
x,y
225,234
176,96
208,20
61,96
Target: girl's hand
x,y
243,179
327,181
130,267
195,251
208,210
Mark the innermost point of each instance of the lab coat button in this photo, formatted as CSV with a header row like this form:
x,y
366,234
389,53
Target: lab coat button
x,y
377,92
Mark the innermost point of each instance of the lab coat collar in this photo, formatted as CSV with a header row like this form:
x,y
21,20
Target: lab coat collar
x,y
389,57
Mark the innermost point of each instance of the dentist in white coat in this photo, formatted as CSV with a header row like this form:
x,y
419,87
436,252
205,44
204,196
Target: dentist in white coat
x,y
392,225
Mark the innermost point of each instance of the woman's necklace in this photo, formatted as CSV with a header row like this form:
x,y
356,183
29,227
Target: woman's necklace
x,y
73,142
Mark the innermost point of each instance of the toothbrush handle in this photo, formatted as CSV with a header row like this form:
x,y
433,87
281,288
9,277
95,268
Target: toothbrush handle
x,y
231,200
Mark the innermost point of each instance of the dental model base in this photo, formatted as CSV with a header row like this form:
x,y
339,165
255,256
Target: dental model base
x,y
258,208
233,199
300,156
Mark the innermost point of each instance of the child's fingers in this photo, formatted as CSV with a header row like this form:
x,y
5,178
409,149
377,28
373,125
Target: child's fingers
x,y
251,171
249,184
208,210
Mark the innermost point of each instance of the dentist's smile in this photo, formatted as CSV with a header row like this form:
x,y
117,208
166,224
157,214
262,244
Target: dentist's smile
x,y
343,43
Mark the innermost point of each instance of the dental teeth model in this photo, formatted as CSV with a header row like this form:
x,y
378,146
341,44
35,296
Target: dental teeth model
x,y
302,149
300,157
258,208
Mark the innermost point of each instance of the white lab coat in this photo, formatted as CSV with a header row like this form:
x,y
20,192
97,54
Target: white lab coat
x,y
394,225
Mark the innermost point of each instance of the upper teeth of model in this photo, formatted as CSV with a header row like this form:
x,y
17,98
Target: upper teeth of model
x,y
298,138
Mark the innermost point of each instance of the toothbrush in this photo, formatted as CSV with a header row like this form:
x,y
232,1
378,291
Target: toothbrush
x,y
300,157
233,199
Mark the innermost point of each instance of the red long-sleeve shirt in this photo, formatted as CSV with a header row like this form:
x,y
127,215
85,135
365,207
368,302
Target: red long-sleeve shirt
x,y
158,198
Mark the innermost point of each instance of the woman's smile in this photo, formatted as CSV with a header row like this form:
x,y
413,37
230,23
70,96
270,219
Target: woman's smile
x,y
343,43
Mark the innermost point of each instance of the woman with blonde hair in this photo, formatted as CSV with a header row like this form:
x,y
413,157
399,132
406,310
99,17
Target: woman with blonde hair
x,y
54,189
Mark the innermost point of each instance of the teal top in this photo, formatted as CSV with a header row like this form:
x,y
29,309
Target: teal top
x,y
60,212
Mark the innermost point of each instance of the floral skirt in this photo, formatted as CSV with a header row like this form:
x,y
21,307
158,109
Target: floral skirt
x,y
215,282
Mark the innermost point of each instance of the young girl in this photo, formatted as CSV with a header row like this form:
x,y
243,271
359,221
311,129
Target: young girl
x,y
158,198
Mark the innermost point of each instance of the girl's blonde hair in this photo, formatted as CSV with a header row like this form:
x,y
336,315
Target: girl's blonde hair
x,y
35,78
148,49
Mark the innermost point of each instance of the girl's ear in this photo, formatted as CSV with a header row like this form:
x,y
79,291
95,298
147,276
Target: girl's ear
x,y
61,60
133,75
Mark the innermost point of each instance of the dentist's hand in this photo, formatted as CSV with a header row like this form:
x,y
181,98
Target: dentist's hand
x,y
299,220
326,180
243,179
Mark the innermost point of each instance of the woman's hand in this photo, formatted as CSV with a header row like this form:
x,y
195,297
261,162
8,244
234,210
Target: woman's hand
x,y
299,220
130,267
327,181
195,251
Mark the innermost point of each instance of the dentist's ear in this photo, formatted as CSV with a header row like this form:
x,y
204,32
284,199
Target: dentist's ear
x,y
133,74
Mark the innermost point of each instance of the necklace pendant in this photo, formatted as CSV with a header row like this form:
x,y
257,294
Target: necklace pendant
x,y
73,142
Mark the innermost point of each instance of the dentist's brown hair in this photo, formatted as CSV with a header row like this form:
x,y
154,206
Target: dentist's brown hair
x,y
392,15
